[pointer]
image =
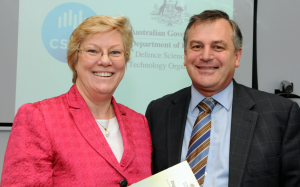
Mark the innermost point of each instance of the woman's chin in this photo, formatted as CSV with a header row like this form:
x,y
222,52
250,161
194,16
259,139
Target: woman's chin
x,y
105,90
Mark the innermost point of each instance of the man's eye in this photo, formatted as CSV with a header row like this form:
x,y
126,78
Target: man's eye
x,y
218,47
196,47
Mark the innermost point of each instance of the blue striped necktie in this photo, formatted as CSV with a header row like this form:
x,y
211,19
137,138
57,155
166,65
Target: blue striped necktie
x,y
200,140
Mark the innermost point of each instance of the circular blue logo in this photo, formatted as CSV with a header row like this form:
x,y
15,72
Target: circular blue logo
x,y
59,25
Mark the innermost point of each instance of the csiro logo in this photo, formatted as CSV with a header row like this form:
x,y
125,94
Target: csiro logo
x,y
59,25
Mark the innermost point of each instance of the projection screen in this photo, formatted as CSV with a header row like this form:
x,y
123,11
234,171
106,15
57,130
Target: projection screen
x,y
39,69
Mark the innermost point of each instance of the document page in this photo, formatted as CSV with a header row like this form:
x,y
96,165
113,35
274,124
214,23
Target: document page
x,y
179,175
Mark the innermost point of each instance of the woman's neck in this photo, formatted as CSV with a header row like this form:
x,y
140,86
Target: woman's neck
x,y
98,104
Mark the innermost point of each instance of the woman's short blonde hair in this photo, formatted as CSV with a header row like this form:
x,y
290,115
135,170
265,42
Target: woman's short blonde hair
x,y
94,25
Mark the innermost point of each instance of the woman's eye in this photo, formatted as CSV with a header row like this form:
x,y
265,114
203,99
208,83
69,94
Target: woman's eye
x,y
93,51
115,52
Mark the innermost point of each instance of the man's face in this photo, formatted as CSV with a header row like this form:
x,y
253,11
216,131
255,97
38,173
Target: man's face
x,y
209,57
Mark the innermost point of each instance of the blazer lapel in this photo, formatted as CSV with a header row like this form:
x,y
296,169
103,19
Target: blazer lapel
x,y
178,110
89,129
127,136
242,128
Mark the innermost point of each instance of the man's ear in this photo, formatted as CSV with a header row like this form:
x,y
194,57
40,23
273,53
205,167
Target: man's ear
x,y
238,55
184,62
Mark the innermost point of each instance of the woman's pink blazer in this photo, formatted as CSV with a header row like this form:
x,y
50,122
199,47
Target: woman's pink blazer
x,y
57,142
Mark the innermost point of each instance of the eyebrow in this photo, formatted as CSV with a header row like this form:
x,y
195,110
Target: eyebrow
x,y
222,42
100,48
194,41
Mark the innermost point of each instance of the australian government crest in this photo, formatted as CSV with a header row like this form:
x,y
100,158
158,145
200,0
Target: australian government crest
x,y
170,13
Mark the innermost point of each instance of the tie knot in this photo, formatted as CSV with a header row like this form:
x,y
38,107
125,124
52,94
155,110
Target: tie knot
x,y
207,105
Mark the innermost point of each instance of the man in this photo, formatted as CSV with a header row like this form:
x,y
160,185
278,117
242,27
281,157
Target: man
x,y
253,136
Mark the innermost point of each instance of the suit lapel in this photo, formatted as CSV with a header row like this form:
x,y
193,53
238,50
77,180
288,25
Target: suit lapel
x,y
89,129
242,128
177,116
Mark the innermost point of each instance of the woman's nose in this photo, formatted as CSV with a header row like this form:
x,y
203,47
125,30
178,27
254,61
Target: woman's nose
x,y
104,60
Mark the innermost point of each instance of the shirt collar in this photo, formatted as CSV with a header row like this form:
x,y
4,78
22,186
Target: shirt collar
x,y
224,97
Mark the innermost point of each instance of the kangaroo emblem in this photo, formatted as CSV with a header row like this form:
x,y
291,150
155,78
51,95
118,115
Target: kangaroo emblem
x,y
162,8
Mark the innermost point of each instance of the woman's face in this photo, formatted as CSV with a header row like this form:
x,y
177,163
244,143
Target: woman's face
x,y
101,63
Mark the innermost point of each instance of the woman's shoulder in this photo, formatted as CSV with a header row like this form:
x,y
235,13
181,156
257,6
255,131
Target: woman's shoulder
x,y
53,103
40,113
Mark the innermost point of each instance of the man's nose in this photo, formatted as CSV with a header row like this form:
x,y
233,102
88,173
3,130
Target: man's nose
x,y
207,54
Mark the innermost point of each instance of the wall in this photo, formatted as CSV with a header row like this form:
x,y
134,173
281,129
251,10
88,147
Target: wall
x,y
277,44
4,134
8,63
243,15
9,40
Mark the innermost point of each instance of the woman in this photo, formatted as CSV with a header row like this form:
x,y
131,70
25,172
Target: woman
x,y
83,137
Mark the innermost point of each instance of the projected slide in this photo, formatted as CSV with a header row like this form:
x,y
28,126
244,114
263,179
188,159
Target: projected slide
x,y
155,69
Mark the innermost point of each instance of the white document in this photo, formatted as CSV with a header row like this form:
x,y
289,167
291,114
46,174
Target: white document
x,y
179,175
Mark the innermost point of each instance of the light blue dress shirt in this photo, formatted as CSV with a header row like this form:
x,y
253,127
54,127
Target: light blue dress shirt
x,y
217,168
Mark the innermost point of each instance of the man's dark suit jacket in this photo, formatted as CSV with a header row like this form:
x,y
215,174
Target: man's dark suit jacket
x,y
264,139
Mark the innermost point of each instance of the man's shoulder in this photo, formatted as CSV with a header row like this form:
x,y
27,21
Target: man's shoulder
x,y
183,94
159,109
258,96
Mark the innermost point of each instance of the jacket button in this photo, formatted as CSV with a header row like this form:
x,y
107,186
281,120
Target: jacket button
x,y
123,183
